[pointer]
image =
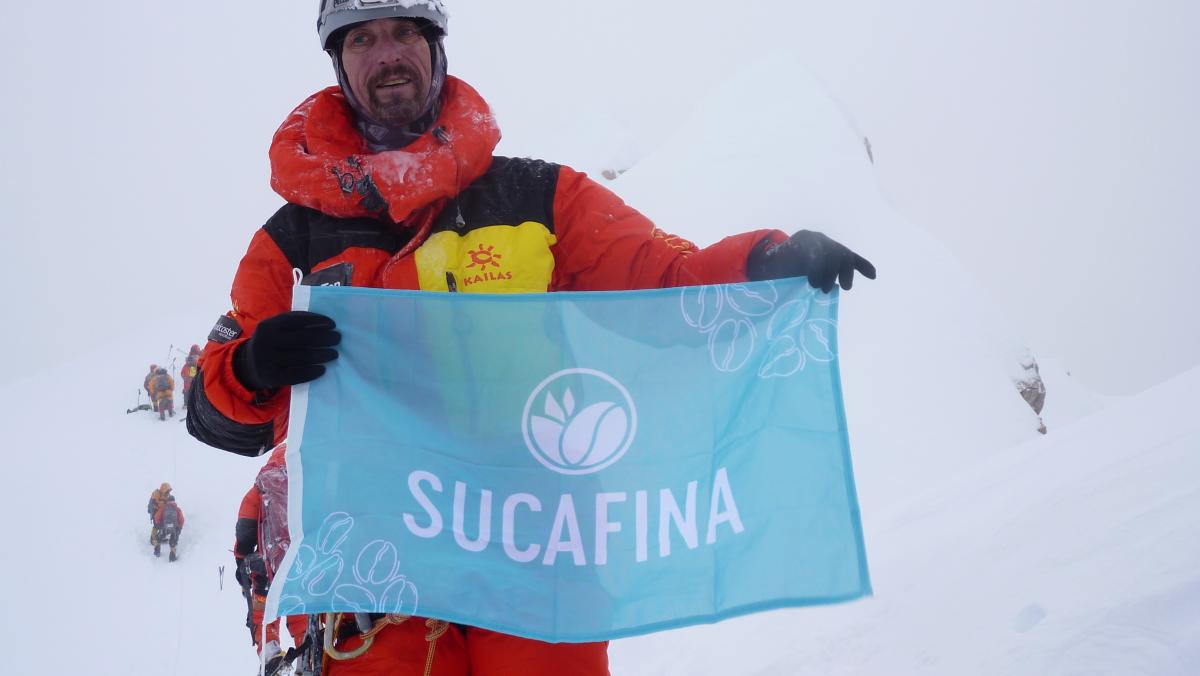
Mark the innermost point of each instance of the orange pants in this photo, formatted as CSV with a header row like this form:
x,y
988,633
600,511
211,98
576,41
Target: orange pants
x,y
297,624
403,650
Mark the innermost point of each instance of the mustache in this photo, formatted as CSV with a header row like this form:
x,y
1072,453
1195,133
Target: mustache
x,y
391,73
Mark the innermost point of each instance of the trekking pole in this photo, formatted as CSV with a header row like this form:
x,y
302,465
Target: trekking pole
x,y
221,578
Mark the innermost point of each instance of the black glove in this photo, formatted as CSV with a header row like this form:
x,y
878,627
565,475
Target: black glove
x,y
811,254
287,349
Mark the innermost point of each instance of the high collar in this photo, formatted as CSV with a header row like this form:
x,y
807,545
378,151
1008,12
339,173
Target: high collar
x,y
320,159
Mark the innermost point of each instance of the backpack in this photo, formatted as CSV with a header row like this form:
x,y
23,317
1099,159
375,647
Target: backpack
x,y
162,383
273,536
170,517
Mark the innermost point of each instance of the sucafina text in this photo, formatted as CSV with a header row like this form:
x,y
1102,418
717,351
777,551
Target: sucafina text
x,y
611,514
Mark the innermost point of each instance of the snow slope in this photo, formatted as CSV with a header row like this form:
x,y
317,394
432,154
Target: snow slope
x,y
80,471
1063,554
1075,553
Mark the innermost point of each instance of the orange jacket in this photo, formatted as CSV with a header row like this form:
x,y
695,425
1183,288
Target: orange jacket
x,y
155,502
160,393
441,214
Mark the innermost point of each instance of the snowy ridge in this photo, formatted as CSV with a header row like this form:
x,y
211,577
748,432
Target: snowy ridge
x,y
1071,554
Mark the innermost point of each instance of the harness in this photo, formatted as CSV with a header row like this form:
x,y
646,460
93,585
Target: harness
x,y
324,631
335,628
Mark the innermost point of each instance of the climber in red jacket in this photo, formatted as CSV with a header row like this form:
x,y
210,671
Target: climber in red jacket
x,y
391,182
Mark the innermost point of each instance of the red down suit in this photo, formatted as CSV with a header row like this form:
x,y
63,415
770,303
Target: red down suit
x,y
441,214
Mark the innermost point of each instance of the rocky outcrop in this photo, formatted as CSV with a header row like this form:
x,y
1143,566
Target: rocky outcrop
x,y
1032,388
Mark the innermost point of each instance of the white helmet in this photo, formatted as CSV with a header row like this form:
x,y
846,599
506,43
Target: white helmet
x,y
337,14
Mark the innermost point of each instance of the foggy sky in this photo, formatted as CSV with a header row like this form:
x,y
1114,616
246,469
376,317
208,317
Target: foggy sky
x,y
1050,146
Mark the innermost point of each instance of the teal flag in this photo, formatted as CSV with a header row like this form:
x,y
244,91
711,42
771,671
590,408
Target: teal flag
x,y
573,466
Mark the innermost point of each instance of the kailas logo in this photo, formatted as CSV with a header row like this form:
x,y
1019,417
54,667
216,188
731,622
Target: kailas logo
x,y
579,421
484,258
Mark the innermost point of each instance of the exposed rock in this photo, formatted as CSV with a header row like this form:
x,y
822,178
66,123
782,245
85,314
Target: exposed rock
x,y
1032,388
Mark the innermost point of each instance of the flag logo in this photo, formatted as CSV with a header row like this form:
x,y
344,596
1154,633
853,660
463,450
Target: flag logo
x,y
579,421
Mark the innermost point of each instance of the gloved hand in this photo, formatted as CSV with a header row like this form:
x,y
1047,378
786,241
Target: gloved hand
x,y
808,253
287,349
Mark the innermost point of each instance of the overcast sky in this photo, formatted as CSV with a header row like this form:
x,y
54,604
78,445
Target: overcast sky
x,y
1051,146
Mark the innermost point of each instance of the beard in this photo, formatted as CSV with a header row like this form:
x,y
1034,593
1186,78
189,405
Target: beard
x,y
396,108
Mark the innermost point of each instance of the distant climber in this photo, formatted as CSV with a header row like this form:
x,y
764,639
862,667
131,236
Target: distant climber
x,y
190,368
168,523
157,496
162,388
148,385
251,572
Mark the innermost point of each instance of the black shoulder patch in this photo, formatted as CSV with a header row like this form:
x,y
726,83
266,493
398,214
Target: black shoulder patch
x,y
334,275
225,330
